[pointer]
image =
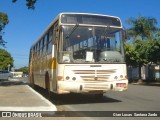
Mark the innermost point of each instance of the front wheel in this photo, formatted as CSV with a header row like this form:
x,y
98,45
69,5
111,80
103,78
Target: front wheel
x,y
47,84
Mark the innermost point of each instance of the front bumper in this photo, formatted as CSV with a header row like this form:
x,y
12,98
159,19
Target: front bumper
x,y
91,87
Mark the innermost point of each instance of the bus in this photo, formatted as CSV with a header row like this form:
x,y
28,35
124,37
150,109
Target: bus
x,y
80,53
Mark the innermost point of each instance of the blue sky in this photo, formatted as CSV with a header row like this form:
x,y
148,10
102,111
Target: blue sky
x,y
25,26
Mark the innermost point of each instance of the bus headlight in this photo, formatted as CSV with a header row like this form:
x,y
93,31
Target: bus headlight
x,y
67,78
121,76
74,78
115,77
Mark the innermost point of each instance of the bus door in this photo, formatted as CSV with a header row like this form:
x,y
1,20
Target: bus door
x,y
54,55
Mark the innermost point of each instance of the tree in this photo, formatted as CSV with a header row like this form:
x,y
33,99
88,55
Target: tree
x,y
3,22
4,19
23,69
142,29
153,50
29,3
5,59
136,55
131,55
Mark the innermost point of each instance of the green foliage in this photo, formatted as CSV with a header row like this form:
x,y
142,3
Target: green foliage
x,y
145,48
3,22
4,19
23,69
143,27
29,3
143,52
131,55
153,50
5,59
136,54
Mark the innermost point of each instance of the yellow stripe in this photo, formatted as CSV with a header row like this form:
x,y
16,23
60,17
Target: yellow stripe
x,y
54,63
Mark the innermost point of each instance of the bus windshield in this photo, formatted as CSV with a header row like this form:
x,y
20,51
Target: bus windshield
x,y
91,44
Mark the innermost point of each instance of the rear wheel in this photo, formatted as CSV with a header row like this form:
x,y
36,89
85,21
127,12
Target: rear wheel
x,y
47,84
32,80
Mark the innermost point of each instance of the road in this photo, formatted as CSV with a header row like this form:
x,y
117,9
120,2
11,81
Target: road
x,y
136,98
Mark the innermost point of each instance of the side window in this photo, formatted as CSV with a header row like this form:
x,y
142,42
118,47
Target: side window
x,y
50,41
47,40
38,49
41,47
35,51
50,34
49,47
40,43
55,33
31,55
45,45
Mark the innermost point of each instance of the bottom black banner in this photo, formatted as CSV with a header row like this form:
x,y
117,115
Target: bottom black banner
x,y
79,114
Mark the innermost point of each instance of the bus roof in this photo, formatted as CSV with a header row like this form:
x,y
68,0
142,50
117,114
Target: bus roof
x,y
70,13
87,14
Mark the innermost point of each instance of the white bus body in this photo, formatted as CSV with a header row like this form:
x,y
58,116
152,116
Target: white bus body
x,y
80,53
92,78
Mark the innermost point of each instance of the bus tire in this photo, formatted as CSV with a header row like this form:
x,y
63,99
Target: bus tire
x,y
32,80
47,84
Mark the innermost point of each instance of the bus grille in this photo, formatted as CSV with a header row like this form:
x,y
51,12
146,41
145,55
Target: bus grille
x,y
94,75
94,71
95,78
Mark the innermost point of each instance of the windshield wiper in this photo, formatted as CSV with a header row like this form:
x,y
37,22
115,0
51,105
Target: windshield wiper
x,y
73,29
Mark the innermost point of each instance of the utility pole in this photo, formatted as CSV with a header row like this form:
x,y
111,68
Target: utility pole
x,y
9,67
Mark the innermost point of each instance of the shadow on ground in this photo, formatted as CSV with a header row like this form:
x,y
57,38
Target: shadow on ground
x,y
74,98
11,83
146,83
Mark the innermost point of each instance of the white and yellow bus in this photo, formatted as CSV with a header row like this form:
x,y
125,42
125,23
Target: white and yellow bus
x,y
80,53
